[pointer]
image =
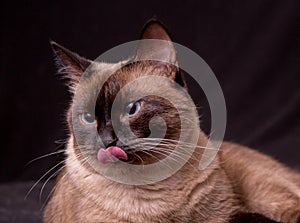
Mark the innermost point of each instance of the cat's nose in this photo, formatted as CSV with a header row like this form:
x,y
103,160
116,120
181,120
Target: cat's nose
x,y
108,137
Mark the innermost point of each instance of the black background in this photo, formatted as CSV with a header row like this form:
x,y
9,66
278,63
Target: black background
x,y
252,47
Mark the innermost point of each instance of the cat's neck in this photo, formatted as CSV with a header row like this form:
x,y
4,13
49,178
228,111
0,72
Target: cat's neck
x,y
188,185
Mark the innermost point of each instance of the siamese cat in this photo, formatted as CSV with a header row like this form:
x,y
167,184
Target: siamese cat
x,y
238,180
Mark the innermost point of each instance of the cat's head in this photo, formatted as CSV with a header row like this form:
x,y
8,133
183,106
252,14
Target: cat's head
x,y
134,111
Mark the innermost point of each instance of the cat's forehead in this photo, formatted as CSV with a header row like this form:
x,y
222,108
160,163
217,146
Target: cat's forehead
x,y
106,81
125,70
115,76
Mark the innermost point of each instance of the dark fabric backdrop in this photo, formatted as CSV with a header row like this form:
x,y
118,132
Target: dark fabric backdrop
x,y
252,47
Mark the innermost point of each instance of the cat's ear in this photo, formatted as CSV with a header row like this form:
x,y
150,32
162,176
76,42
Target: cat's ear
x,y
69,63
164,51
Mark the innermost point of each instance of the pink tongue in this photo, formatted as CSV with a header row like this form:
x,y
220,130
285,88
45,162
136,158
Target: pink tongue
x,y
111,154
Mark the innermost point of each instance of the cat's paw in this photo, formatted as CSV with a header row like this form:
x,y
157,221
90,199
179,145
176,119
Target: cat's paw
x,y
287,212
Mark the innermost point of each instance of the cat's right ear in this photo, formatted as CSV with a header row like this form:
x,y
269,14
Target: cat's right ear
x,y
69,63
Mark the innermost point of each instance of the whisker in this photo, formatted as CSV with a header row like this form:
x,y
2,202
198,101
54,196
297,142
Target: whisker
x,y
178,154
156,158
160,152
43,156
52,190
160,140
42,178
140,159
44,184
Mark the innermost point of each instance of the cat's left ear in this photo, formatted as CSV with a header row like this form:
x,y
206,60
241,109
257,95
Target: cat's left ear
x,y
69,63
163,51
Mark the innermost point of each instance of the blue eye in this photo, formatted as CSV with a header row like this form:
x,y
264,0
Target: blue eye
x,y
133,108
88,118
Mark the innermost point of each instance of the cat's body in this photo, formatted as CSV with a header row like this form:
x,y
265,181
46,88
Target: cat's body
x,y
227,187
171,200
237,180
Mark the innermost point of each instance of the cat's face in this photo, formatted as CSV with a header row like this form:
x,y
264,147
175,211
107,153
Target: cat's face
x,y
138,113
128,116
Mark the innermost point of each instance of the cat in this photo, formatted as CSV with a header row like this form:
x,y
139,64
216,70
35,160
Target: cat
x,y
238,180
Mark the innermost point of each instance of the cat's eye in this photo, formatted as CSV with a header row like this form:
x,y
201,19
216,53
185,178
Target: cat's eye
x,y
88,118
133,108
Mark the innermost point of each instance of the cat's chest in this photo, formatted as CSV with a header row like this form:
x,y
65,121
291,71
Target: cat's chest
x,y
129,206
122,205
186,197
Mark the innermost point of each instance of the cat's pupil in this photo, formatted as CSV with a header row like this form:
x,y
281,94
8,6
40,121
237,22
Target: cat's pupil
x,y
133,108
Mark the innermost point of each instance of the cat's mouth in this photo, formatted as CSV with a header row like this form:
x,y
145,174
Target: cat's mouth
x,y
114,154
111,155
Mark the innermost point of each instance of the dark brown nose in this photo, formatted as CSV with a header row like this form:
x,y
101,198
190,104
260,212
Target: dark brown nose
x,y
108,136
